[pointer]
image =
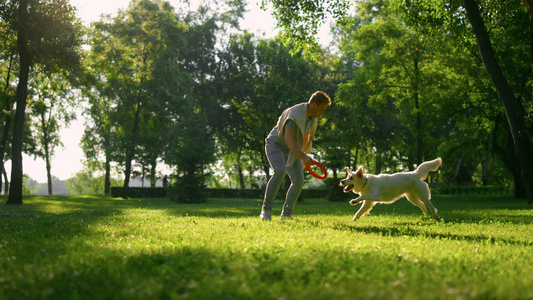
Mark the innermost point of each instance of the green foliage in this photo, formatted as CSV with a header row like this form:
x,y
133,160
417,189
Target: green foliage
x,y
259,193
300,20
162,87
417,86
334,192
90,180
188,188
142,77
191,149
470,190
154,68
259,79
51,108
48,36
140,192
28,185
53,32
97,247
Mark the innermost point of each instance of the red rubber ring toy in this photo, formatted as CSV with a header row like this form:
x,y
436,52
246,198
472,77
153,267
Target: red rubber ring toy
x,y
316,163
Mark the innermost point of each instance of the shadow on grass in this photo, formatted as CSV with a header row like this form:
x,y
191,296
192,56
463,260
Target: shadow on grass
x,y
417,231
471,209
199,273
191,271
410,221
49,210
104,206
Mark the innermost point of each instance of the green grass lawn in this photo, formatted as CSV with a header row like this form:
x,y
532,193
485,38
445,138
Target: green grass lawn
x,y
74,247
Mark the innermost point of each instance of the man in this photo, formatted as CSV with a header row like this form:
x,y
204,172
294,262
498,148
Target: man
x,y
287,147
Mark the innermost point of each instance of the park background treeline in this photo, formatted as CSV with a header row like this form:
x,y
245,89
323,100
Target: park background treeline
x,y
162,85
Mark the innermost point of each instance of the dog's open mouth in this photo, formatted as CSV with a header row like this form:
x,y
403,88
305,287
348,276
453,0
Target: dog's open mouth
x,y
348,188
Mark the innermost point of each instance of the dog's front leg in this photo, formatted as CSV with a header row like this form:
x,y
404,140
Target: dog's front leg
x,y
365,208
363,198
356,200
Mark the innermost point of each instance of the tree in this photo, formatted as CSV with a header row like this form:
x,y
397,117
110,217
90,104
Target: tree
x,y
450,12
155,67
505,21
259,79
238,83
140,67
90,180
48,34
191,144
99,133
192,149
7,96
300,20
51,106
511,105
391,97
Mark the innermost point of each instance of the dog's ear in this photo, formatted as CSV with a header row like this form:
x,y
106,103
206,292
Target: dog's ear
x,y
348,170
359,172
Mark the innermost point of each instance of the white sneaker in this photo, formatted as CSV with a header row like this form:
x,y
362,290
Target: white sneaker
x,y
286,217
266,215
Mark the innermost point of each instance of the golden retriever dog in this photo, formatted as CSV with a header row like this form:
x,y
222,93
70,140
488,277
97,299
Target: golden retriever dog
x,y
387,188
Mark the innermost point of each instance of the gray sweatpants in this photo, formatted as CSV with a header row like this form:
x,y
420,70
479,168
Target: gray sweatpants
x,y
277,157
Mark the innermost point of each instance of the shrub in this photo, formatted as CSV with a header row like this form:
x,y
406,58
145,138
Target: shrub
x,y
334,192
188,189
468,190
140,192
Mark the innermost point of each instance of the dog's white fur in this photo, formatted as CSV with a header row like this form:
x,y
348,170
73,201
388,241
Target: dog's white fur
x,y
387,188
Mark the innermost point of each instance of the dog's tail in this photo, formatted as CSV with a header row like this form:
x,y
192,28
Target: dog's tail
x,y
428,166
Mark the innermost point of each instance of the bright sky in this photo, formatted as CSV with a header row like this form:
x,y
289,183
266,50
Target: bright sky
x,y
68,161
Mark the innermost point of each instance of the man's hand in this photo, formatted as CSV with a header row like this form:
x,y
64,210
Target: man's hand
x,y
307,161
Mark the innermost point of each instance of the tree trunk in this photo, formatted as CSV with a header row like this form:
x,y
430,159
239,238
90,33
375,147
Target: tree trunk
x,y
511,105
131,152
5,133
107,180
7,123
509,158
240,171
457,171
46,146
251,175
153,176
49,173
355,159
15,189
241,176
6,184
419,140
485,173
378,163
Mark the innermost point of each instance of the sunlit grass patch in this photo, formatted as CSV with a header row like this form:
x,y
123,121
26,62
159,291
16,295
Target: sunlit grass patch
x,y
100,247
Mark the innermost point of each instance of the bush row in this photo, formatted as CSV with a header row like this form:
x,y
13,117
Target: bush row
x,y
469,190
259,193
159,192
140,192
332,192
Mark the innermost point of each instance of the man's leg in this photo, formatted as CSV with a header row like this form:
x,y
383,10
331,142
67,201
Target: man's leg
x,y
276,158
296,175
